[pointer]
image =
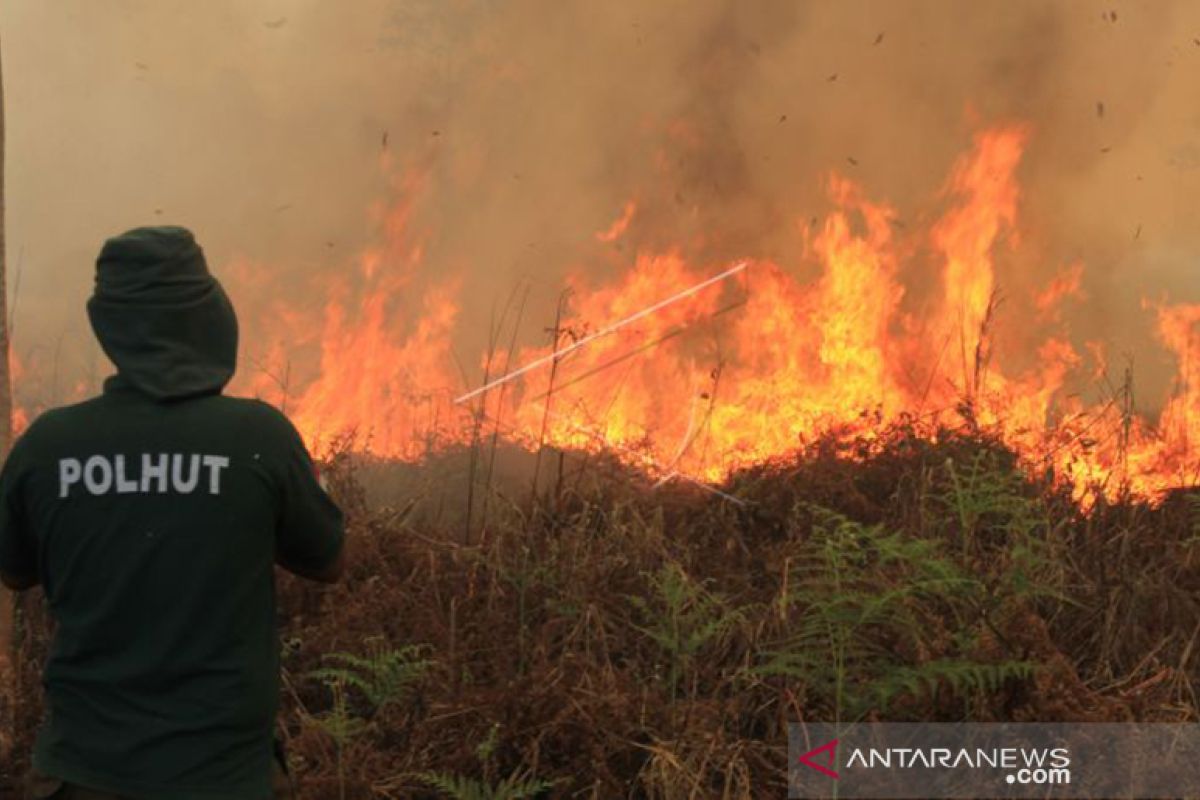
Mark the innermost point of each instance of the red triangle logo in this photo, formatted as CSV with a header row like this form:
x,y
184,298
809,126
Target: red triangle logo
x,y
830,750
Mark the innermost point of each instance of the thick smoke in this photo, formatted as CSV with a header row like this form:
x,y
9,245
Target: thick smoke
x,y
262,125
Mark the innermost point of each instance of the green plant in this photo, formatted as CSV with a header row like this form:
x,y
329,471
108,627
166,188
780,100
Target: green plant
x,y
682,618
985,495
341,725
514,786
1004,536
861,603
522,577
384,676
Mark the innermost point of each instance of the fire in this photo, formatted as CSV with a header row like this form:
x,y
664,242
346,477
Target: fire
x,y
620,224
380,373
38,384
797,360
754,367
966,238
16,373
898,324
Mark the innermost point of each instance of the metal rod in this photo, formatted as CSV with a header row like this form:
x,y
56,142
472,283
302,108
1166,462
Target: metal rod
x,y
560,354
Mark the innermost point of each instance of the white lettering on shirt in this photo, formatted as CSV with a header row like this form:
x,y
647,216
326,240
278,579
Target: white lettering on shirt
x,y
215,464
70,470
159,473
98,475
155,471
124,484
177,481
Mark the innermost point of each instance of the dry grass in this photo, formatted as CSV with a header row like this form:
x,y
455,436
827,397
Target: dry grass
x,y
612,640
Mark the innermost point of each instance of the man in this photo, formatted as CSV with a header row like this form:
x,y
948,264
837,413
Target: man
x,y
151,516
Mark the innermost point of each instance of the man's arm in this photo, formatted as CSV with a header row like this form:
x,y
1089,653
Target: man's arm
x,y
310,529
330,574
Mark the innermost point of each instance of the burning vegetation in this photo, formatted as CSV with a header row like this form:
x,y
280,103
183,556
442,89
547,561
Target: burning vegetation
x,y
694,370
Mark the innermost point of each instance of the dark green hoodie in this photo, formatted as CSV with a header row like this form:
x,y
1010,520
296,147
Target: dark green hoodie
x,y
152,516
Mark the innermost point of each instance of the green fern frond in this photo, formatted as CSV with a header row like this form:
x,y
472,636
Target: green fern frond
x,y
459,787
961,676
682,618
856,591
383,676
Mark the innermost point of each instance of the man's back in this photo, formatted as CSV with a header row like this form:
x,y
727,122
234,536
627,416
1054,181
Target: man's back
x,y
153,523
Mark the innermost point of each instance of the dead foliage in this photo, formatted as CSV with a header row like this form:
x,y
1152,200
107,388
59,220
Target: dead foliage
x,y
613,639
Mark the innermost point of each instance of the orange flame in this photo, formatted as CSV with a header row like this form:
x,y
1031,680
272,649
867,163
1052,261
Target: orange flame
x,y
755,367
898,324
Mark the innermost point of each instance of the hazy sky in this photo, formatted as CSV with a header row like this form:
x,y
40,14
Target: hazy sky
x,y
261,124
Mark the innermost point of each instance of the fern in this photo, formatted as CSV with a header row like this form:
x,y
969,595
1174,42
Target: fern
x,y
1001,528
342,726
459,787
682,619
857,591
339,722
985,496
962,677
383,676
1006,538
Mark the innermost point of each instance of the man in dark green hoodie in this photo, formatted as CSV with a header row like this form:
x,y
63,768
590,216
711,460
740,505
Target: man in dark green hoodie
x,y
152,517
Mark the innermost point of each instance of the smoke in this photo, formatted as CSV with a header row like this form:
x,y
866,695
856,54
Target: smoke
x,y
262,125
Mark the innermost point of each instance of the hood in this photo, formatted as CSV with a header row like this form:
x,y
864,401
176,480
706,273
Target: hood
x,y
161,317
